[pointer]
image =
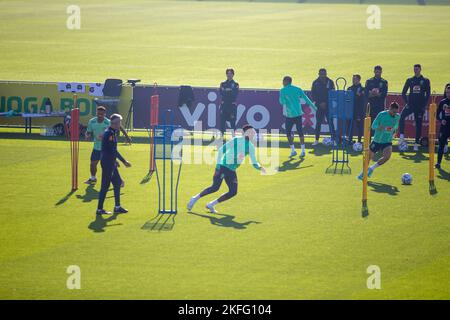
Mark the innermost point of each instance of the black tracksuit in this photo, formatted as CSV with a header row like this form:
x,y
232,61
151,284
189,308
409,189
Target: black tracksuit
x,y
377,104
415,102
443,113
229,91
109,167
319,94
359,107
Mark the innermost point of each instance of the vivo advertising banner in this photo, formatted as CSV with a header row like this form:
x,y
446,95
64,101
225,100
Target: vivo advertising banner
x,y
259,108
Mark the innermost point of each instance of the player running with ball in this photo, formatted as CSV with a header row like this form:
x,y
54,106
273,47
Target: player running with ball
x,y
290,100
230,157
384,126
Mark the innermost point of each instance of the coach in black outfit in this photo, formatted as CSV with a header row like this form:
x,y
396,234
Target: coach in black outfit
x,y
319,93
419,94
376,90
359,107
229,90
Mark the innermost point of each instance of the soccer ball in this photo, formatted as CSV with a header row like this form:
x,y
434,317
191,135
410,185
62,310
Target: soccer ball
x,y
406,178
357,146
403,146
327,141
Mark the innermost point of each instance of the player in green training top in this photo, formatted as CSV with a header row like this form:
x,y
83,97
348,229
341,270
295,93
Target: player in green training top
x,y
230,157
290,100
385,126
95,129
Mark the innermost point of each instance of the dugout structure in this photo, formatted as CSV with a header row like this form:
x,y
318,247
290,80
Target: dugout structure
x,y
340,115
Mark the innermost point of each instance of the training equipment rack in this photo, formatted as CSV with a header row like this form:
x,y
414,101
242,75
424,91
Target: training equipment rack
x,y
340,116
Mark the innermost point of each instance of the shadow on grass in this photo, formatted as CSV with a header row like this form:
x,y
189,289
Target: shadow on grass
x,y
89,195
161,222
65,198
383,188
147,178
338,168
92,194
225,220
100,223
320,150
444,175
291,164
417,157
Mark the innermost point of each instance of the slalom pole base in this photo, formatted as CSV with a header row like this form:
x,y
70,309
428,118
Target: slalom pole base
x,y
432,188
364,209
168,212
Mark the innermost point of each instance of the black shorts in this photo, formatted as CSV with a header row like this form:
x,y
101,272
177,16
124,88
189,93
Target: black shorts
x,y
96,155
290,123
375,146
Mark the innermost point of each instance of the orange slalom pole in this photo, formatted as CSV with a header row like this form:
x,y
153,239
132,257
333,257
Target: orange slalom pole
x,y
366,159
431,144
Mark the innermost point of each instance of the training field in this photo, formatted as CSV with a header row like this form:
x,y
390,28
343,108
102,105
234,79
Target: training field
x,y
296,234
192,42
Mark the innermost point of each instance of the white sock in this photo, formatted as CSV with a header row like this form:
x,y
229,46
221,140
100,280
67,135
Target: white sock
x,y
303,147
93,178
292,148
196,197
213,203
374,166
116,207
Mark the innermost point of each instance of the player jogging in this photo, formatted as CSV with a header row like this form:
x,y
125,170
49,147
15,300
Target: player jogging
x,y
443,116
230,157
384,126
290,100
95,129
109,166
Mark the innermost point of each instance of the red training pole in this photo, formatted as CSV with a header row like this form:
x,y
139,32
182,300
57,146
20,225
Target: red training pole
x,y
154,113
74,141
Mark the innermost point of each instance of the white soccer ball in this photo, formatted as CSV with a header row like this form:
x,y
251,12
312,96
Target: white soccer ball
x,y
406,178
403,146
357,146
327,141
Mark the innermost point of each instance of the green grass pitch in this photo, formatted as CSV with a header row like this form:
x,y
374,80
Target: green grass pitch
x,y
297,234
192,42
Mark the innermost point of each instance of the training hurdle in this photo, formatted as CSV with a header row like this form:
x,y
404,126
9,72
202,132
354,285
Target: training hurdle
x,y
74,132
366,160
431,145
167,145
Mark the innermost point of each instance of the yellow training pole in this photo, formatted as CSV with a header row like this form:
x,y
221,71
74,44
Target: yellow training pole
x,y
366,159
431,144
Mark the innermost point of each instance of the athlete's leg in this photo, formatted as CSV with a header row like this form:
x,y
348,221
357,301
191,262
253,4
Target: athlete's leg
x,y
232,183
405,113
107,173
418,117
443,136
